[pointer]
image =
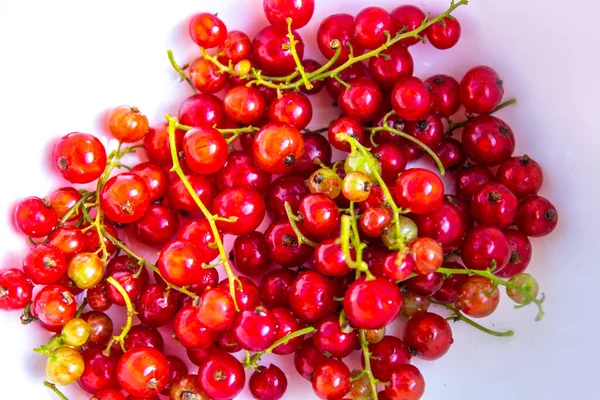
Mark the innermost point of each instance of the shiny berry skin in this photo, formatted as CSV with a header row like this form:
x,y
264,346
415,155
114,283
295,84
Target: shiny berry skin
x,y
388,70
256,329
387,354
336,27
109,394
411,99
372,304
202,109
319,214
240,170
79,157
125,198
334,88
374,221
158,225
54,305
245,105
284,248
428,335
451,154
315,147
69,241
397,266
15,289
181,200
307,358
277,147
34,217
190,332
362,100
247,296
205,150
101,328
100,371
481,90
520,253
488,140
356,187
477,297
536,216
269,55
428,255
495,205
483,246
370,26
157,146
251,254
522,175
185,387
243,203
311,296
236,46
406,383
200,234
429,130
207,30
327,182
127,124
339,341
44,264
143,372
156,179
351,127
331,379
444,34
64,366
408,18
177,370
180,263
85,270
330,260
227,341
63,200
278,11
292,108
425,285
275,287
206,76
156,306
143,336
216,309
419,190
268,383
449,290
445,97
222,376
287,323
392,159
470,179
286,188
447,224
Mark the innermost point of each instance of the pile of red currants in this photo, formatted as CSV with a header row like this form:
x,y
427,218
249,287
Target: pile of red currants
x,y
351,245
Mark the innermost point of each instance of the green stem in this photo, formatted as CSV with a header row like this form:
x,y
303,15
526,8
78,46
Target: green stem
x,y
293,218
294,53
47,348
529,298
57,392
81,307
233,280
255,358
75,209
182,75
458,316
455,126
130,313
348,224
367,370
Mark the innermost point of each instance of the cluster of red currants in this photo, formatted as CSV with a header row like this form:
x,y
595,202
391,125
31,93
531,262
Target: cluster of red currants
x,y
358,242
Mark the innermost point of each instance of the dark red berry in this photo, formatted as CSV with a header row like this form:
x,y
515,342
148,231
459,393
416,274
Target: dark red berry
x,y
428,335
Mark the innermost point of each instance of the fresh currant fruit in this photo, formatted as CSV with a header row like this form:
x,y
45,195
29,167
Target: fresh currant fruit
x,y
156,306
100,371
54,305
411,99
428,130
156,179
15,289
207,30
307,358
227,341
269,54
330,260
428,255
356,186
278,11
449,290
451,154
79,157
293,109
34,217
488,140
319,214
481,90
284,247
69,241
370,26
277,147
520,253
177,370
143,372
428,335
485,247
143,337
206,76
406,382
101,328
351,127
216,309
523,288
331,379
408,18
425,285
336,32
445,95
127,124
109,394
180,263
477,297
372,304
391,65
125,198
245,105
362,100
522,175
190,332
374,221
247,296
63,201
44,264
275,287
251,254
286,188
157,146
470,179
419,190
366,163
128,281
334,87
495,205
245,205
338,340
197,356
237,46
287,323
398,266
202,109
413,303
158,225
221,376
536,216
201,235
392,158
311,296
76,332
255,330
447,224
64,366
186,387
394,238
387,354
205,150
325,181
240,170
316,147
181,200
444,34
268,383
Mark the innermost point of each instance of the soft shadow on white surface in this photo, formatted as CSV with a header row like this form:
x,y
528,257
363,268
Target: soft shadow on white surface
x,y
65,63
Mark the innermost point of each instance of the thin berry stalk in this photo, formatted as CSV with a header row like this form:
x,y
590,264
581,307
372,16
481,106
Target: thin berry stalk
x,y
130,313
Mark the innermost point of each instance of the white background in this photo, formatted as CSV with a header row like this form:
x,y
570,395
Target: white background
x,y
65,63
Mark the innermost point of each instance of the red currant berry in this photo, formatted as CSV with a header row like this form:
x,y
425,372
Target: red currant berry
x,y
143,372
292,108
387,354
411,99
35,218
79,157
536,216
245,105
336,29
69,241
243,204
270,54
316,147
287,323
222,376
142,336
311,296
477,297
488,140
428,335
449,290
157,146
451,154
101,328
284,247
357,70
247,296
522,175
372,304
392,159
240,170
177,370
181,200
362,100
338,340
425,285
44,264
156,179
205,150
63,200
319,214
520,253
268,383
251,254
255,330
444,34
237,47
216,309
127,124
447,224
330,260
202,109
54,305
374,221
125,198
406,382
201,235
351,127
428,255
428,130
100,371
307,358
485,247
397,266
277,147
206,76
286,188
408,18
275,287
311,66
15,289
445,97
331,379
370,26
207,30
419,190
391,65
278,11
156,306
470,179
157,226
481,90
190,332
186,386
494,204
180,263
